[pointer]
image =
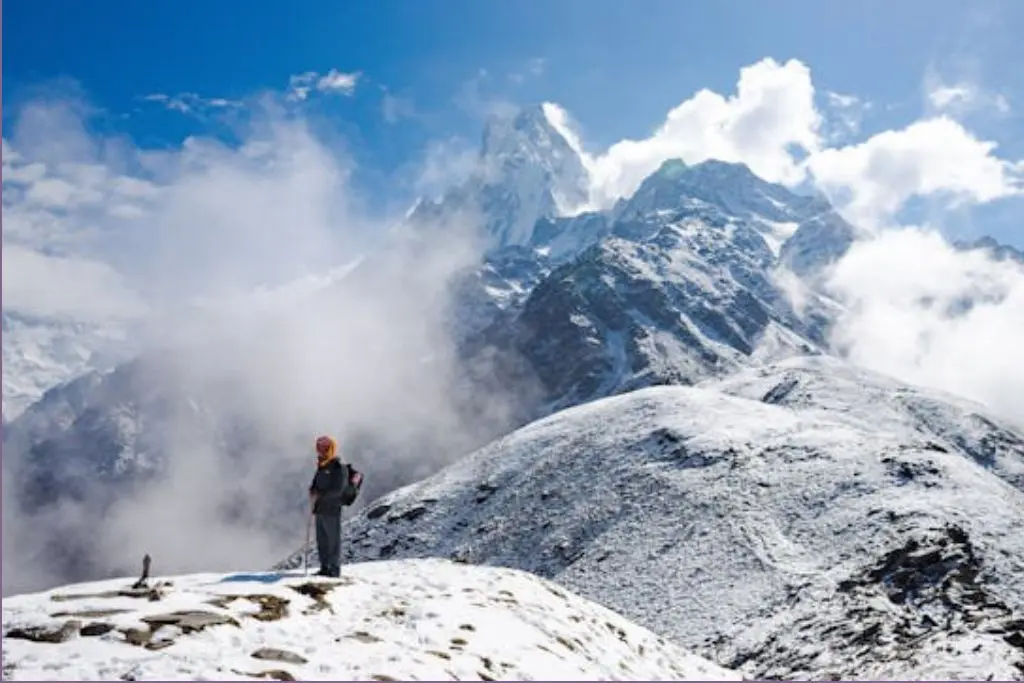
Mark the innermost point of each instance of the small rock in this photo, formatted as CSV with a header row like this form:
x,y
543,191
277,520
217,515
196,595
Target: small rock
x,y
44,634
189,621
272,607
91,613
410,515
1015,639
96,628
137,636
279,655
274,674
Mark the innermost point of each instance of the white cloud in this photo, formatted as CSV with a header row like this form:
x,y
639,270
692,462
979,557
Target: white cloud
x,y
841,100
445,163
846,113
333,82
533,68
300,85
771,113
961,97
65,287
191,103
562,122
772,124
338,82
186,235
57,215
903,287
394,108
944,96
905,291
27,174
873,179
9,155
474,99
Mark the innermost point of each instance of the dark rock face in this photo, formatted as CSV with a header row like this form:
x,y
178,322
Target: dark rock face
x,y
935,597
692,300
673,285
997,250
819,242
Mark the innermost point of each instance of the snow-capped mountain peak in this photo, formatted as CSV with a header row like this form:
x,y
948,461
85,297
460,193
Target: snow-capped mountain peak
x,y
510,133
995,249
729,187
40,353
526,170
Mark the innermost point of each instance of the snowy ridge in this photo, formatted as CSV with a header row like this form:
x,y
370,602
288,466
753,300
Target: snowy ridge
x,y
765,530
732,187
39,354
526,170
995,249
399,620
670,296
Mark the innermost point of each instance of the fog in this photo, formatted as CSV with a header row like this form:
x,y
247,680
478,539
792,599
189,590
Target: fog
x,y
272,308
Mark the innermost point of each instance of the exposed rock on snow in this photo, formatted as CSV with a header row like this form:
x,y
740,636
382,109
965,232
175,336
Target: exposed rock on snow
x,y
921,604
675,285
765,530
408,620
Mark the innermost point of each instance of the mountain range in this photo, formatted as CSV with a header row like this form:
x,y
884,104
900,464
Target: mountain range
x,y
678,442
804,520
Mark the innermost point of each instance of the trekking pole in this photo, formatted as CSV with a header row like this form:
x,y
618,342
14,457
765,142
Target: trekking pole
x,y
305,548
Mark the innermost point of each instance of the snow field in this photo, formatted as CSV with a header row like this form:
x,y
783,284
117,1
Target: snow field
x,y
396,620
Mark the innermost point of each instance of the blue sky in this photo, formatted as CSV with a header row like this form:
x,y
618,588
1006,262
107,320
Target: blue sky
x,y
616,67
908,114
434,67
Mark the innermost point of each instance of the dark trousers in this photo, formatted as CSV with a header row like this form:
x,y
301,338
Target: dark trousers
x,y
328,542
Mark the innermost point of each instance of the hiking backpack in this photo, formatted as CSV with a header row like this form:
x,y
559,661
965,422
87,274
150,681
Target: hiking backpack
x,y
350,489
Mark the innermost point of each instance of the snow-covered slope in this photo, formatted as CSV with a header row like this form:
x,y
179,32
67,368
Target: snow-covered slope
x,y
807,520
680,286
39,354
386,621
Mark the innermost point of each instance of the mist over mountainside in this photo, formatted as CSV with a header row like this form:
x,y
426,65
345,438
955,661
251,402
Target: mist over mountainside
x,y
677,342
504,300
999,251
39,355
804,520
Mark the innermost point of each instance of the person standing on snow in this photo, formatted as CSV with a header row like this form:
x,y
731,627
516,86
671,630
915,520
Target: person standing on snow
x,y
326,493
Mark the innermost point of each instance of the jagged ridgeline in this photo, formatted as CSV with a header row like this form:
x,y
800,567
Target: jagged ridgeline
x,y
684,447
805,520
671,285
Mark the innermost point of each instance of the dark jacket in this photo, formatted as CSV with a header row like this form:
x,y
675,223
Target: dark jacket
x,y
328,484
